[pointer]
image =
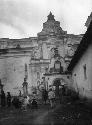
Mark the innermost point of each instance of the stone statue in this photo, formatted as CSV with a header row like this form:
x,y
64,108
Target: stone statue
x,y
25,87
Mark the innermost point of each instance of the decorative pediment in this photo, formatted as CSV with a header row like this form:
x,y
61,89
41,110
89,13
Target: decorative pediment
x,y
51,28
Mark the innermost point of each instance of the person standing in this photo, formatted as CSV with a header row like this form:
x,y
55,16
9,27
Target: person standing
x,y
3,99
60,94
51,96
25,103
16,102
8,99
44,96
25,87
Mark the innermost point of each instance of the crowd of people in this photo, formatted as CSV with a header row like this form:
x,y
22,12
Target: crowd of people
x,y
24,102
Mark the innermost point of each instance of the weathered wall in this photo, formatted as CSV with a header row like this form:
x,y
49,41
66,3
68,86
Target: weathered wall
x,y
12,73
12,70
83,79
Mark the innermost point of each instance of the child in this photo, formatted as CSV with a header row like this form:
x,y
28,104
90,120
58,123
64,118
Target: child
x,y
34,102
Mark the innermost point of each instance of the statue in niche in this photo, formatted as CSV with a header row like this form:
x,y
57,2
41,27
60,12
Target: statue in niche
x,y
38,75
52,53
37,53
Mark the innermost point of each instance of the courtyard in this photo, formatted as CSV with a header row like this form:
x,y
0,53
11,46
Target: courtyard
x,y
66,113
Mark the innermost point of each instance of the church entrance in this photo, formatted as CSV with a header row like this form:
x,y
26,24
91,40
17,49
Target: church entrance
x,y
57,84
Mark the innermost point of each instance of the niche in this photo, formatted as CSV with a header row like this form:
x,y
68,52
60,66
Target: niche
x,y
38,75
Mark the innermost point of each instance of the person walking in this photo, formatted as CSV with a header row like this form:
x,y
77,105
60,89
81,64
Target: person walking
x,y
51,96
8,99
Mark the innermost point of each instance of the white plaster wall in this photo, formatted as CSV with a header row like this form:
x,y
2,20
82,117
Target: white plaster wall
x,y
84,86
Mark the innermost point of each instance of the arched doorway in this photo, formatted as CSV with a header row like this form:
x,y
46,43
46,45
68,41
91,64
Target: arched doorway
x,y
58,83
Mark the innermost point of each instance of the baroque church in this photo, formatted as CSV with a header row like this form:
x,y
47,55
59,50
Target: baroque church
x,y
38,59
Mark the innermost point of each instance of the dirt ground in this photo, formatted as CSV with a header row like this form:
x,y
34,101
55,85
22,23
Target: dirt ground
x,y
66,113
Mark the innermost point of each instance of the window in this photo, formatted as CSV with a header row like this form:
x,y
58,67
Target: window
x,y
68,77
74,74
85,74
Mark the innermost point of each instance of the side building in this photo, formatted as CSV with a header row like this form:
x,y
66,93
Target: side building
x,y
81,66
33,57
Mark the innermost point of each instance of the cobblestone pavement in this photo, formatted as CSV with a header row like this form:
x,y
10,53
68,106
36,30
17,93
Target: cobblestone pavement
x,y
66,113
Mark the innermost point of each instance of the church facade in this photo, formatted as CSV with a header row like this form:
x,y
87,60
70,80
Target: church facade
x,y
50,52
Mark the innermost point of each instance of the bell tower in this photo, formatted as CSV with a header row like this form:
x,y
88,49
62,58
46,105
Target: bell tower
x,y
50,17
51,28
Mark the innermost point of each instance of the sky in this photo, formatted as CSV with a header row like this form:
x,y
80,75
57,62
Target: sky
x,y
25,18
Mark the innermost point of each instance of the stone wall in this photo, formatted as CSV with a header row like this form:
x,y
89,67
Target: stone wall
x,y
29,50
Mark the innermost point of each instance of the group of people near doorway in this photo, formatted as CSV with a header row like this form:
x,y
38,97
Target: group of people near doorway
x,y
48,95
23,102
33,100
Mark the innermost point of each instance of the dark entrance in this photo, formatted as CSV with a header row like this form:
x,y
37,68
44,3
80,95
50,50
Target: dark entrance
x,y
57,83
